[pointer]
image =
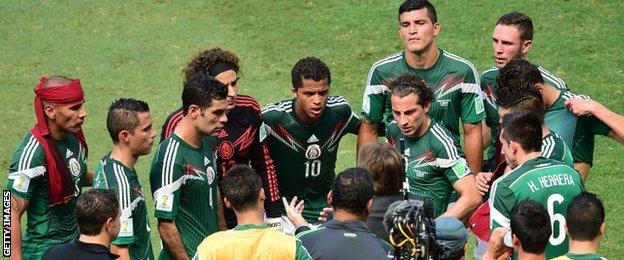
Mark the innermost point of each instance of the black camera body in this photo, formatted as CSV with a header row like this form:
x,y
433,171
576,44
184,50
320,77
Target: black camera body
x,y
411,227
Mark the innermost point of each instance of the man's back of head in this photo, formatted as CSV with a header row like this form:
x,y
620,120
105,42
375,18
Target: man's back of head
x,y
242,189
530,227
585,219
352,192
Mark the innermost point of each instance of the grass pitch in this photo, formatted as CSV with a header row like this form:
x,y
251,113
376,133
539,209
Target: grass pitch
x,y
138,49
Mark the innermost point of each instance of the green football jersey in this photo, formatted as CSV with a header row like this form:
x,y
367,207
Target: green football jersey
x,y
554,148
453,80
45,226
488,86
184,188
587,128
435,163
546,181
305,156
134,231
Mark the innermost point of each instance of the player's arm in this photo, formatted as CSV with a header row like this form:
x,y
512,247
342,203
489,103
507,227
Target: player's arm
x,y
18,207
373,104
88,178
474,146
368,133
121,250
583,107
469,198
171,239
486,135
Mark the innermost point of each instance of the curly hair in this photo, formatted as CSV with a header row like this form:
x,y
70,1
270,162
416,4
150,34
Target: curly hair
x,y
309,68
205,59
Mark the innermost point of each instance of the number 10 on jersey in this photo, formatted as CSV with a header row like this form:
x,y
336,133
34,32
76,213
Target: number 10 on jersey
x,y
312,168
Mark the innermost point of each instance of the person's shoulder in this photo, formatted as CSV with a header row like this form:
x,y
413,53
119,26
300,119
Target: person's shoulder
x,y
62,251
274,112
247,103
552,79
386,63
444,138
490,74
339,104
29,144
458,64
312,233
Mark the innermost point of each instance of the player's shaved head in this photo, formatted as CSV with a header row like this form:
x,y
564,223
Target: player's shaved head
x,y
56,81
122,115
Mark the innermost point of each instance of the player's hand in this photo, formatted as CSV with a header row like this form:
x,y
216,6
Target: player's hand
x,y
483,182
496,246
293,211
581,107
326,214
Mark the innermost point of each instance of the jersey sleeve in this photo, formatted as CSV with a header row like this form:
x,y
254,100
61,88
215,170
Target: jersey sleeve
x,y
108,176
301,253
27,168
164,182
262,163
472,108
489,102
501,202
449,156
354,122
587,128
374,98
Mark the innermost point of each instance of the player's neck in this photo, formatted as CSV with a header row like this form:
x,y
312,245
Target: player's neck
x,y
528,256
585,247
550,95
250,217
302,117
101,239
424,127
545,131
343,215
423,60
522,157
124,155
55,131
187,132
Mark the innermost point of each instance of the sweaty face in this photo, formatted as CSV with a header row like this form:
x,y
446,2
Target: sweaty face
x,y
211,119
230,79
68,119
507,45
408,114
311,100
142,138
417,30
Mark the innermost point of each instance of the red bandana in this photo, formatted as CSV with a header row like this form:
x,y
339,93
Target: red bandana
x,y
59,179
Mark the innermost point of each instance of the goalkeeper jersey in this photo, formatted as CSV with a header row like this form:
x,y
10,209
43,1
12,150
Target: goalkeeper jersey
x,y
305,155
546,181
452,79
435,163
134,230
184,188
45,226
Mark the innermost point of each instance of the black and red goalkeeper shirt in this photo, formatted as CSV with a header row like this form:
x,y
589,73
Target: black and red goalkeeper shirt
x,y
239,143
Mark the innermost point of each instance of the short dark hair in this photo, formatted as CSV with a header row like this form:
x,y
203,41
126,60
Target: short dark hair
x,y
122,115
585,215
201,90
518,76
523,127
520,98
94,208
521,21
386,166
412,5
309,68
352,190
531,224
204,60
241,186
407,84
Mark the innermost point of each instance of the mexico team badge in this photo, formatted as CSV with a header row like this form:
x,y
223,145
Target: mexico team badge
x,y
313,152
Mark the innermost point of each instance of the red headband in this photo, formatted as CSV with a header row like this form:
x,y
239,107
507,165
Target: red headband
x,y
59,179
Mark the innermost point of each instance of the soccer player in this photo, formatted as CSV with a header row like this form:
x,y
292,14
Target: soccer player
x,y
530,231
585,225
238,141
97,215
547,181
435,163
512,38
453,80
346,235
129,124
251,239
48,169
182,176
303,135
521,75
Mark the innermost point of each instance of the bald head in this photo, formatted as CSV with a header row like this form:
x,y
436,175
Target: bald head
x,y
56,81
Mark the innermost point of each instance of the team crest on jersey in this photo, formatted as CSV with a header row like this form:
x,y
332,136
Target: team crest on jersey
x,y
226,150
313,152
210,174
74,167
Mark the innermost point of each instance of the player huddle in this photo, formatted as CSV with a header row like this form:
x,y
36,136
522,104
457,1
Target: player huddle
x,y
537,135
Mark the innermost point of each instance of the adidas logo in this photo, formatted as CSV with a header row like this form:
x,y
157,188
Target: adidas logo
x,y
206,160
312,139
68,154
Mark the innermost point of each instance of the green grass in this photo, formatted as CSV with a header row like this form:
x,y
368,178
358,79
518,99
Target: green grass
x,y
138,48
